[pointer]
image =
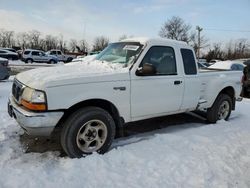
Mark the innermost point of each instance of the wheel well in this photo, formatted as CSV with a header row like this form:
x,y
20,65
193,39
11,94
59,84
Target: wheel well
x,y
230,92
104,104
69,59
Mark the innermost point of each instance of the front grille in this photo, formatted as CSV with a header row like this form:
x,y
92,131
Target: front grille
x,y
17,89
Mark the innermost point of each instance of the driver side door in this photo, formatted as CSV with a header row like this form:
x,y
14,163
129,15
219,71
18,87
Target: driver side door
x,y
157,94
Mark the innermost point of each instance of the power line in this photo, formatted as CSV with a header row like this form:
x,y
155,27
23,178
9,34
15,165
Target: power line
x,y
229,30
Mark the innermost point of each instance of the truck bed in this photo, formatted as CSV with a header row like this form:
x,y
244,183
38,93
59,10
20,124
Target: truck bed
x,y
212,80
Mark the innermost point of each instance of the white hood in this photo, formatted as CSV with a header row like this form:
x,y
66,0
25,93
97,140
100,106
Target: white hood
x,y
73,73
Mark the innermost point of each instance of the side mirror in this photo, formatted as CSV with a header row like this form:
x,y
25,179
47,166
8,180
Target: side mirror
x,y
146,70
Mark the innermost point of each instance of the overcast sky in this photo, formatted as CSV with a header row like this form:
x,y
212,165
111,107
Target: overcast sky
x,y
113,18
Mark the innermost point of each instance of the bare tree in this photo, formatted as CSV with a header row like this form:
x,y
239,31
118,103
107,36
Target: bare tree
x,y
100,43
34,38
215,53
240,48
7,38
175,28
237,49
123,37
229,50
22,40
50,42
62,43
83,46
72,45
194,42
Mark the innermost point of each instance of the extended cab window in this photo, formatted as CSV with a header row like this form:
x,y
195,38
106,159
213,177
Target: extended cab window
x,y
189,62
162,58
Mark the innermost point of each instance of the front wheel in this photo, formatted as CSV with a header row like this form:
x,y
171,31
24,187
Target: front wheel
x,y
88,130
221,109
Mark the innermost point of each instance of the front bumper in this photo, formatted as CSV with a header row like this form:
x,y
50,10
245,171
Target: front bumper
x,y
34,123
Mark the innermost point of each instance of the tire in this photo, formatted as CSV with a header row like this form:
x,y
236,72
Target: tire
x,y
69,59
83,128
7,77
52,61
29,61
221,109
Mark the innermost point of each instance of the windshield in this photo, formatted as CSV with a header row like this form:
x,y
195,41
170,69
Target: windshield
x,y
121,52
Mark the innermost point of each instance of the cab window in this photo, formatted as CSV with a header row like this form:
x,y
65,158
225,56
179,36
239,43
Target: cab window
x,y
162,58
188,62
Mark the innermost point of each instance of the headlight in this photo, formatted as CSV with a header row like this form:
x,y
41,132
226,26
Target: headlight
x,y
34,99
34,96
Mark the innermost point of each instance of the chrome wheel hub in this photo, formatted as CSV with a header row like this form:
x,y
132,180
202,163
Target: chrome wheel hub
x,y
91,136
223,110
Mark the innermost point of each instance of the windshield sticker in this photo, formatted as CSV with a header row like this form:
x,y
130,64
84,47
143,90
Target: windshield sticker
x,y
131,47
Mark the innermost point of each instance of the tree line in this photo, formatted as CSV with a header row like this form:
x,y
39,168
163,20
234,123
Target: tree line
x,y
36,40
176,28
173,28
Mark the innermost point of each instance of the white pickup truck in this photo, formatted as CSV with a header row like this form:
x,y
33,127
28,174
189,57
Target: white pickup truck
x,y
131,80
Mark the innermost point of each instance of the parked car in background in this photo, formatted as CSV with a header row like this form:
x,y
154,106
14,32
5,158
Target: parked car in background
x,y
228,65
213,61
19,53
61,56
30,56
8,54
94,52
87,58
203,63
10,49
4,71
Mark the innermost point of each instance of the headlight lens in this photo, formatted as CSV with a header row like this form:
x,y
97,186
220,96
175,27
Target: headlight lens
x,y
33,96
33,99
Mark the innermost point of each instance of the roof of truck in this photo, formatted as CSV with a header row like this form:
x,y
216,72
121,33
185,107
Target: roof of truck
x,y
155,41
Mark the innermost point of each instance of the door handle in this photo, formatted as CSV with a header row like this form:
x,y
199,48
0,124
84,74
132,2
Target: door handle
x,y
119,88
177,82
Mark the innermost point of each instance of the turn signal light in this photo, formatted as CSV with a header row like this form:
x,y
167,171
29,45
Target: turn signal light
x,y
32,106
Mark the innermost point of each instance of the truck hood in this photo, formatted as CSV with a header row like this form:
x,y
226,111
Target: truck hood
x,y
72,73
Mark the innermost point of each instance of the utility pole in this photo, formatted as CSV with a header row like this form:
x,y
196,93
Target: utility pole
x,y
199,29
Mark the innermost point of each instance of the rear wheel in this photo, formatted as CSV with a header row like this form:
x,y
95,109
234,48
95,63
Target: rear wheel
x,y
221,109
69,59
29,61
52,61
88,130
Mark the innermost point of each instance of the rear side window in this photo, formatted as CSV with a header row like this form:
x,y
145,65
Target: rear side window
x,y
26,52
188,62
59,53
35,53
